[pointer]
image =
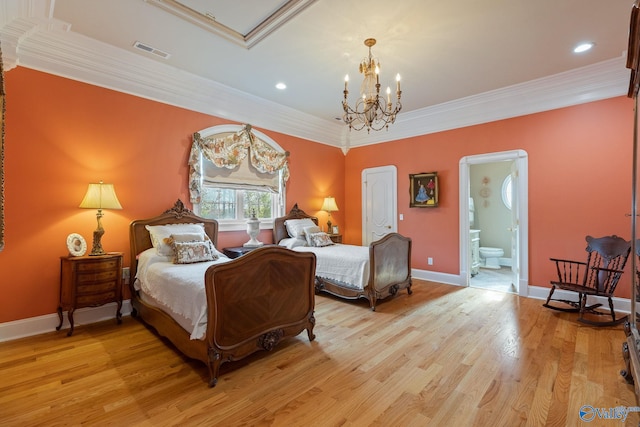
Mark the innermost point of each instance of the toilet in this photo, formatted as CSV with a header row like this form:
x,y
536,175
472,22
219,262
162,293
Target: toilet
x,y
491,256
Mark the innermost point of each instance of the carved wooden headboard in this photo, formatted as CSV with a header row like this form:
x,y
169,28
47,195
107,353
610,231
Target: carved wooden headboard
x,y
279,229
140,240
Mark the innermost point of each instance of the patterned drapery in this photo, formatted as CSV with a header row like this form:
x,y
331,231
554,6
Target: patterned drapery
x,y
229,151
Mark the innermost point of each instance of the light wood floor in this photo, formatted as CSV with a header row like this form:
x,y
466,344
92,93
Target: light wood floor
x,y
445,355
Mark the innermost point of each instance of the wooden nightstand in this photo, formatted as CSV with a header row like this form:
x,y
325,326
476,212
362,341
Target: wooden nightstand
x,y
89,281
336,238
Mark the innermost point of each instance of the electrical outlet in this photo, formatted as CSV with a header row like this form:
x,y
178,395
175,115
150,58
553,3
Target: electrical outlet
x,y
430,261
126,274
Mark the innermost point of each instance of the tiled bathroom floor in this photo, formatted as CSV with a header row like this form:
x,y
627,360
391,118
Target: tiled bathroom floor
x,y
497,280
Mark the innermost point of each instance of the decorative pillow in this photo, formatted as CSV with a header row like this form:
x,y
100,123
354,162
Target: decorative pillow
x,y
160,232
185,237
291,243
295,227
308,231
190,252
320,239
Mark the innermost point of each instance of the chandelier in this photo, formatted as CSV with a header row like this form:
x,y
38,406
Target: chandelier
x,y
371,110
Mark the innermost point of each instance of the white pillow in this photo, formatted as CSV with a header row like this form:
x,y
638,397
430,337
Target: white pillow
x,y
291,243
310,230
320,239
159,233
295,227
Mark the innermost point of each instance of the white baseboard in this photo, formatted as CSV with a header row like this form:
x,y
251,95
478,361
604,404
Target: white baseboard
x,y
48,323
621,305
432,276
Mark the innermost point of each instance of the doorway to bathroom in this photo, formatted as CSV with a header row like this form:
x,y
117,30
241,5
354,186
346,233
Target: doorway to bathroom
x,y
494,222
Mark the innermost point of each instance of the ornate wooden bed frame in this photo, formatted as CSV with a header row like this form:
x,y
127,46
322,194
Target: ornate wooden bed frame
x,y
253,302
389,264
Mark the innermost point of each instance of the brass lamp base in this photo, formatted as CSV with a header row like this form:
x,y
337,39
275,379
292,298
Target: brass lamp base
x,y
96,249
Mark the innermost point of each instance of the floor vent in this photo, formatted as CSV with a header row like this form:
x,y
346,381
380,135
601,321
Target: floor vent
x,y
152,50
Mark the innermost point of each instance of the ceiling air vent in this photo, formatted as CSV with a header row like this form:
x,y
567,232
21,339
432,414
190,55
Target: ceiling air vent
x,y
152,50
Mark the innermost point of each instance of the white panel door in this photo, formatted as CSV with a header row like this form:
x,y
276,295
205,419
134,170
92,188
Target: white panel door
x,y
379,203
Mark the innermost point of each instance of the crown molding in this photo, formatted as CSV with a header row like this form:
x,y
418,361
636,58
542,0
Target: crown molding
x,y
35,40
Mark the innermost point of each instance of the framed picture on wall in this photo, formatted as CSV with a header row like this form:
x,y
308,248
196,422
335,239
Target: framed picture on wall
x,y
423,190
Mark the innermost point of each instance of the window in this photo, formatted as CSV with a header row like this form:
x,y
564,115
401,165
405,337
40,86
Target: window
x,y
225,203
226,185
237,205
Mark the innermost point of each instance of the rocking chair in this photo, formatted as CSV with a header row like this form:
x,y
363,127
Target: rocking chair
x,y
598,277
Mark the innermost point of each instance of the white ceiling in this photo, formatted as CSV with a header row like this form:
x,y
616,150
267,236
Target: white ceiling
x,y
461,62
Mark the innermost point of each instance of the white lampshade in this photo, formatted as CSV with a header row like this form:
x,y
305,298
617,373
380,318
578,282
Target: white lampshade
x,y
100,196
329,205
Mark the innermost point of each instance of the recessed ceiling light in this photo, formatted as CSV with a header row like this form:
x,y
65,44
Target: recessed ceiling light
x,y
583,47
281,86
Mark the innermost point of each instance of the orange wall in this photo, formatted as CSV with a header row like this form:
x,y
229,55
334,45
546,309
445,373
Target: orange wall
x,y
62,134
579,182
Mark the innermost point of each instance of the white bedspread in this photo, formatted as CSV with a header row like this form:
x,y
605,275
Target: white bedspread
x,y
178,286
345,263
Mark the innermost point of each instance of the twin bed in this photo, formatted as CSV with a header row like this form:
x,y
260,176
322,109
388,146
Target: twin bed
x,y
247,304
351,272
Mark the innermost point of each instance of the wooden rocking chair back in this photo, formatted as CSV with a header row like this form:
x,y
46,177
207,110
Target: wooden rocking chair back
x,y
598,276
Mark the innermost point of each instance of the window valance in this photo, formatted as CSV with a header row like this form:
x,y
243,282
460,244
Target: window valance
x,y
227,151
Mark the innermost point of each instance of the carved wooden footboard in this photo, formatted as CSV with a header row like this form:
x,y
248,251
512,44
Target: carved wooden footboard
x,y
258,300
389,272
389,265
253,302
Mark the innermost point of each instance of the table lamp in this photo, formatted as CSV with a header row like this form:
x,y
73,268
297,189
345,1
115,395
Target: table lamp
x,y
100,196
329,205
